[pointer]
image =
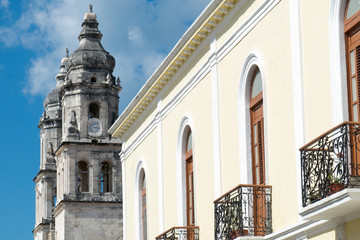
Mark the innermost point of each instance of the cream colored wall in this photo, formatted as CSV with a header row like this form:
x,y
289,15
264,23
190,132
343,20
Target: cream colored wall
x,y
331,235
270,41
316,67
182,77
204,183
352,229
200,115
140,124
235,22
186,72
148,154
273,49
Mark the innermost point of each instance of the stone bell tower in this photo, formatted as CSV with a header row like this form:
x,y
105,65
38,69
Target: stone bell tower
x,y
80,165
50,126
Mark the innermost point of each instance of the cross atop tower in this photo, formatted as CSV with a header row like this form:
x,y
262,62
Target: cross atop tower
x,y
91,7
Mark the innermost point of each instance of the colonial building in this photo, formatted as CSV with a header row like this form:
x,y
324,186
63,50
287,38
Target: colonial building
x,y
78,187
249,127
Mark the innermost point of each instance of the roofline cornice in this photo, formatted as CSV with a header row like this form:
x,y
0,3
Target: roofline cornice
x,y
213,14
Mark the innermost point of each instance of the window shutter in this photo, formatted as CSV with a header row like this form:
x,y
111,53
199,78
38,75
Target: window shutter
x,y
358,75
261,151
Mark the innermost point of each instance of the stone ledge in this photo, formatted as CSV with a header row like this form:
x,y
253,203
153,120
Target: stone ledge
x,y
340,204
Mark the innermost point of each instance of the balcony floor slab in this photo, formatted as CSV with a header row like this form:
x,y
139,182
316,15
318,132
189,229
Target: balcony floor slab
x,y
338,205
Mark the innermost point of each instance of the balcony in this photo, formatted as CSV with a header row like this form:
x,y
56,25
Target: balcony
x,y
180,233
243,211
330,172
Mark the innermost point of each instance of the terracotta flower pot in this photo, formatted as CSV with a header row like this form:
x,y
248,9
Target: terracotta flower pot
x,y
238,233
336,187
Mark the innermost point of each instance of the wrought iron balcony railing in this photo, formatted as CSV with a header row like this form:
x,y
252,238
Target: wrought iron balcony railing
x,y
331,162
180,233
243,211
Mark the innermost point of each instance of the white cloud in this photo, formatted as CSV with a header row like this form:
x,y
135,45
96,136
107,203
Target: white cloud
x,y
4,3
135,36
40,75
137,33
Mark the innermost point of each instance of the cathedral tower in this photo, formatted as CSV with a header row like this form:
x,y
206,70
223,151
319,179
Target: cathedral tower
x,y
79,183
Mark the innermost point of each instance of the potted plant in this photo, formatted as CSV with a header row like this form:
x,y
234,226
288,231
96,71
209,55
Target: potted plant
x,y
335,184
237,233
236,227
313,197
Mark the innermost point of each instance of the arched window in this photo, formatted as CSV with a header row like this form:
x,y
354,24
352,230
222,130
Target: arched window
x,y
352,36
257,149
142,207
106,177
352,40
352,10
257,129
190,208
94,110
93,79
83,177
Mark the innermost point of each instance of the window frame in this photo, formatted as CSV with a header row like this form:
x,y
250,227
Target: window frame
x,y
96,113
142,212
80,177
190,186
106,186
256,105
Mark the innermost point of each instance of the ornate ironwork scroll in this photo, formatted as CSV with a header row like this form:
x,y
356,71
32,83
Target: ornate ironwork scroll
x,y
180,233
330,163
244,211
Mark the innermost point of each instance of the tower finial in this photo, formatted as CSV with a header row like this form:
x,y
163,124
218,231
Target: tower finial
x,y
67,52
91,7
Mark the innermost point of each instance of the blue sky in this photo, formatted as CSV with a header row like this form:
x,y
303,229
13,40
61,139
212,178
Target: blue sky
x,y
33,38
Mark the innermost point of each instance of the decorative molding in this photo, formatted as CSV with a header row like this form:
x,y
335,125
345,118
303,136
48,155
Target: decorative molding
x,y
340,204
341,232
245,28
132,146
305,230
196,34
293,231
123,176
185,123
338,62
140,169
321,227
215,120
244,133
198,76
297,81
160,167
199,31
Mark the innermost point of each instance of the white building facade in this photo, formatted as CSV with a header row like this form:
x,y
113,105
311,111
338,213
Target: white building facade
x,y
210,144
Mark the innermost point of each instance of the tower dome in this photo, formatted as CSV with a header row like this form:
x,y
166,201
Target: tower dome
x,y
53,97
90,53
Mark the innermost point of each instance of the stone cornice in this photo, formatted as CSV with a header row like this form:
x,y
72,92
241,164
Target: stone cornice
x,y
75,203
49,123
191,40
42,172
115,143
44,224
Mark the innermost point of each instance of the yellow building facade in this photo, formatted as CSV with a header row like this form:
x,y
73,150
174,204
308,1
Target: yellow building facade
x,y
211,141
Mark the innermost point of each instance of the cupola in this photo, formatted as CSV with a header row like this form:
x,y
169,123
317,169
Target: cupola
x,y
90,53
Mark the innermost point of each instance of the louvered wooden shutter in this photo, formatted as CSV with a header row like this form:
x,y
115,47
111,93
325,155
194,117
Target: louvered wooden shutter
x,y
261,151
357,57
